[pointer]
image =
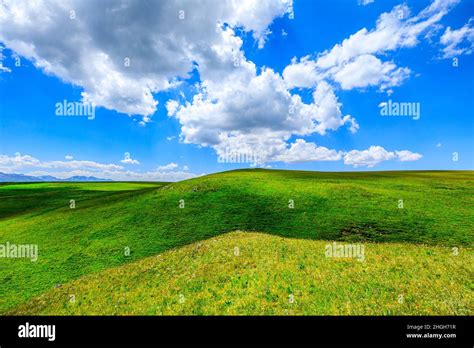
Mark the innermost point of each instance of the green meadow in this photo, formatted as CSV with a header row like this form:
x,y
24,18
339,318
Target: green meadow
x,y
176,248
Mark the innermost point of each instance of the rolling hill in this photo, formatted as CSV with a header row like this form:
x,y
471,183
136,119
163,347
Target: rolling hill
x,y
245,273
416,228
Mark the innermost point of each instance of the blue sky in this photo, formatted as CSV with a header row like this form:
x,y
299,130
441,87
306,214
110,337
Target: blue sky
x,y
432,67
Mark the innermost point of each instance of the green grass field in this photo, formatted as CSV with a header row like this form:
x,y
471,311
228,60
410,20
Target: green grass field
x,y
182,260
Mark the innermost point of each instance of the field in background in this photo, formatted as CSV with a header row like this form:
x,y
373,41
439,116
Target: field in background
x,y
147,219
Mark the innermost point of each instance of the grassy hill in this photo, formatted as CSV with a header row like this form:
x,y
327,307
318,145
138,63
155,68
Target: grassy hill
x,y
257,274
146,219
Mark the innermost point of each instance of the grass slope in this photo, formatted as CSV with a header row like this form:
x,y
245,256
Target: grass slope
x,y
109,217
270,275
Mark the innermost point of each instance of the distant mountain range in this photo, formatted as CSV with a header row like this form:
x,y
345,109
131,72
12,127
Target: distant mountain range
x,y
27,178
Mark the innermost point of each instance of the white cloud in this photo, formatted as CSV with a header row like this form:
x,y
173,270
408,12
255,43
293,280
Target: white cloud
x,y
146,46
369,158
301,151
368,70
19,161
458,42
167,167
353,63
29,165
144,50
3,69
121,175
394,29
79,164
68,157
127,159
256,15
376,154
236,105
365,2
11,164
246,110
350,64
301,73
171,107
328,110
407,156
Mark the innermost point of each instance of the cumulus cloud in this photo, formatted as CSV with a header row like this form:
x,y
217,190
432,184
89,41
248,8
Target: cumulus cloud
x,y
172,107
3,69
328,110
301,151
167,167
256,15
69,157
146,47
407,156
276,151
30,165
369,158
302,73
127,159
395,29
146,50
152,46
122,175
256,111
368,70
459,41
354,62
376,154
10,164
